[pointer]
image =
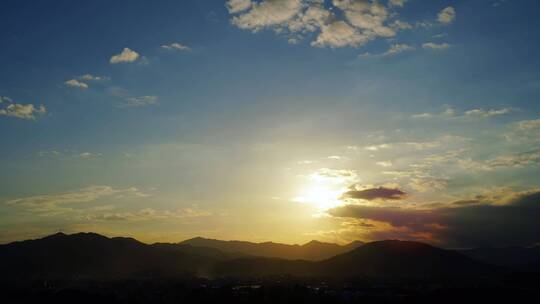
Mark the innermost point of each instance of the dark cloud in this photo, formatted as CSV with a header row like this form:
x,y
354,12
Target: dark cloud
x,y
375,193
466,224
467,202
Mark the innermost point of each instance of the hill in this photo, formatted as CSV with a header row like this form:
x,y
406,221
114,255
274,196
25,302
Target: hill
x,y
312,251
93,256
90,255
516,258
392,259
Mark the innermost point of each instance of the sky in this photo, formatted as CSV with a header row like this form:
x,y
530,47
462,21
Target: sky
x,y
271,120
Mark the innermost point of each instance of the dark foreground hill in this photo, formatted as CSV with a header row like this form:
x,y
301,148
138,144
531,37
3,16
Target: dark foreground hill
x,y
312,251
92,256
515,258
383,259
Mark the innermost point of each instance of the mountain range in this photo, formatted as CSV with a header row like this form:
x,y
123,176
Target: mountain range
x,y
312,251
90,255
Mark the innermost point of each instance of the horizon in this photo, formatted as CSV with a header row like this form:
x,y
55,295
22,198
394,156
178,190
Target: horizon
x,y
186,241
279,121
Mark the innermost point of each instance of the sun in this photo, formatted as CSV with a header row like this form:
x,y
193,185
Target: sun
x,y
322,197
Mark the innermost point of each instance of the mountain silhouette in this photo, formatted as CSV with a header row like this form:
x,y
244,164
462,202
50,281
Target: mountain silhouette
x,y
516,258
312,251
397,259
90,255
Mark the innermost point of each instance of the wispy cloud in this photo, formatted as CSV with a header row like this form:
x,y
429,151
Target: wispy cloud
x,y
393,50
175,46
52,204
436,46
140,101
473,113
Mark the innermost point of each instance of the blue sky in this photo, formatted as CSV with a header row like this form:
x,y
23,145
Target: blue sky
x,y
169,119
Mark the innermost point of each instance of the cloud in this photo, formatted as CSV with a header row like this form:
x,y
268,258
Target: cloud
x,y
385,164
397,2
336,176
127,55
267,13
375,194
401,25
488,113
447,15
236,6
74,83
481,221
68,153
435,46
89,155
90,77
526,131
527,125
515,160
378,147
52,204
5,99
80,82
448,112
339,23
175,46
339,34
149,214
18,110
393,50
141,101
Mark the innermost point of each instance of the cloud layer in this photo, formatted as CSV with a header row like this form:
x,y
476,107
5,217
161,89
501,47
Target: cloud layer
x,y
482,221
338,23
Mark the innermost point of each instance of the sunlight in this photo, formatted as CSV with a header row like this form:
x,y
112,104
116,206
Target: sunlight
x,y
321,196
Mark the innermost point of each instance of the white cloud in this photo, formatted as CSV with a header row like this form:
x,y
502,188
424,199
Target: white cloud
x,y
69,153
310,20
447,15
526,125
384,164
343,23
50,204
175,46
397,2
393,50
401,25
368,16
236,6
339,34
74,83
435,46
267,13
89,77
378,147
89,155
448,112
127,55
23,111
140,101
488,113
